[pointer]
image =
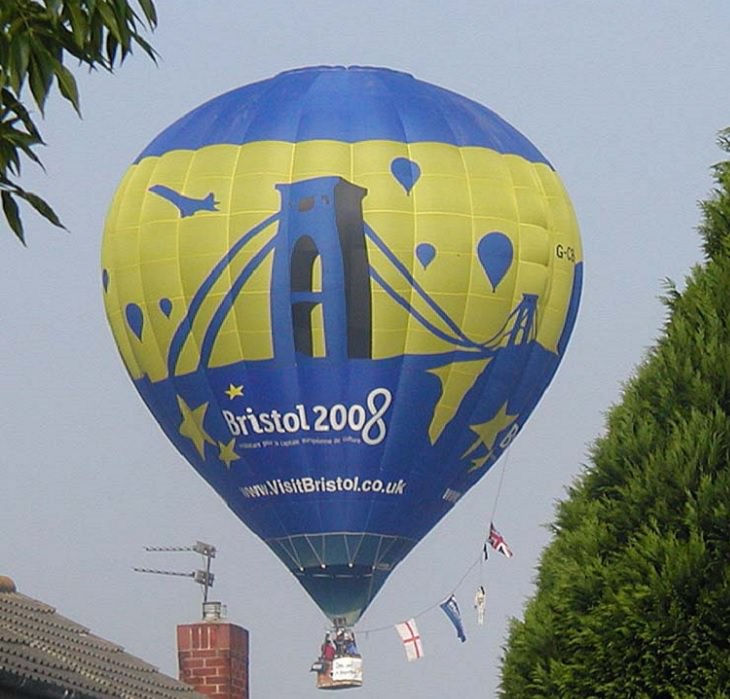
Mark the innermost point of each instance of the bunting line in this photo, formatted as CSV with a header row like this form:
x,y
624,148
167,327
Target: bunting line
x,y
478,562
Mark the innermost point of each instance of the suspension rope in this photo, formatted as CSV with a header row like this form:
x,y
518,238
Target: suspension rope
x,y
499,485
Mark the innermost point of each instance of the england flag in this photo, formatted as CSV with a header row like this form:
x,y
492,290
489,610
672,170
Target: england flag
x,y
408,632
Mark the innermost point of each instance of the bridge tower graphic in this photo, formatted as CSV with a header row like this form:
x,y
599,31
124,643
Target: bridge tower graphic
x,y
321,271
524,321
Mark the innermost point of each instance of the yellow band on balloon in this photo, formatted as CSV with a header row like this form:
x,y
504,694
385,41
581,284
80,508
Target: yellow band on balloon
x,y
153,252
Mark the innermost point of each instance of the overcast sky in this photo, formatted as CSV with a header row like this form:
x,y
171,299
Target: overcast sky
x,y
624,98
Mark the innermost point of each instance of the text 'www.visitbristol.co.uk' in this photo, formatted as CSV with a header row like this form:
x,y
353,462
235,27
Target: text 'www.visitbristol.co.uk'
x,y
309,485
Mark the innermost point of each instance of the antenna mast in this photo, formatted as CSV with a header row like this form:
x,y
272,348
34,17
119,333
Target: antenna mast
x,y
204,577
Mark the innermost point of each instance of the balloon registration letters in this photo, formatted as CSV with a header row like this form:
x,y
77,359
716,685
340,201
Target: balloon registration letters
x,y
341,292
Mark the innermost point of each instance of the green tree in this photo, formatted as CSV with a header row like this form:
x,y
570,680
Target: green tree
x,y
633,592
37,40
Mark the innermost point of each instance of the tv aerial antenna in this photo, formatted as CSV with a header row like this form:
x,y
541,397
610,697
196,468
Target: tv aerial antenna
x,y
203,576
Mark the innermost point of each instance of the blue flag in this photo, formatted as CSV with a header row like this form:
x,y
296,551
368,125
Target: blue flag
x,y
451,608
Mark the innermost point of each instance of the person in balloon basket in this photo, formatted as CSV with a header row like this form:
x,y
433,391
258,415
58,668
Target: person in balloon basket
x,y
340,642
351,646
328,655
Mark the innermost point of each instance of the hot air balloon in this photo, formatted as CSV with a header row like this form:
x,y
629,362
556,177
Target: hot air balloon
x,y
341,292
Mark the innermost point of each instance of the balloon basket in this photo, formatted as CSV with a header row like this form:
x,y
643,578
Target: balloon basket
x,y
340,673
339,665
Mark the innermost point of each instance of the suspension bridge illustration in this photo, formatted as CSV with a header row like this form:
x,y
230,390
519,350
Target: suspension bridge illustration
x,y
322,218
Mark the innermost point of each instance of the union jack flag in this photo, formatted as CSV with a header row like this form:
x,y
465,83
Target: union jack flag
x,y
497,542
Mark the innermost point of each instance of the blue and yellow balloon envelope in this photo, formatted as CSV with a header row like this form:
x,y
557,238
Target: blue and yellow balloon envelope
x,y
341,292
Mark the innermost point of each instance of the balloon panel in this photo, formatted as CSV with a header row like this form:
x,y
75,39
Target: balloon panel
x,y
341,292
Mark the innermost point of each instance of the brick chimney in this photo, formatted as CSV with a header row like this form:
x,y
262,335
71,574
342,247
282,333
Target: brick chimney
x,y
213,658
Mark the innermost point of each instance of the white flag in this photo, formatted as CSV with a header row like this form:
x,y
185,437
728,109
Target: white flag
x,y
408,633
480,603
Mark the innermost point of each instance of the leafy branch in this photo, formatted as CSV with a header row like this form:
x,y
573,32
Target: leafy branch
x,y
36,38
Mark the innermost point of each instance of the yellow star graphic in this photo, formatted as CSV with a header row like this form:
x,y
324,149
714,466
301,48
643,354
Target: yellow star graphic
x,y
487,434
192,425
234,391
478,463
227,453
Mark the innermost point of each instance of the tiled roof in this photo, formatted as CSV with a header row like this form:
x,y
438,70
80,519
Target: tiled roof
x,y
54,656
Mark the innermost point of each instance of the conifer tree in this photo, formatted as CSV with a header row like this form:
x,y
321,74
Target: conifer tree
x,y
633,593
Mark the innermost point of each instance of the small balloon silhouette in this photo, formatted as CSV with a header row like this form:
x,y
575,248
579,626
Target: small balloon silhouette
x,y
406,172
135,319
166,307
495,255
425,252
